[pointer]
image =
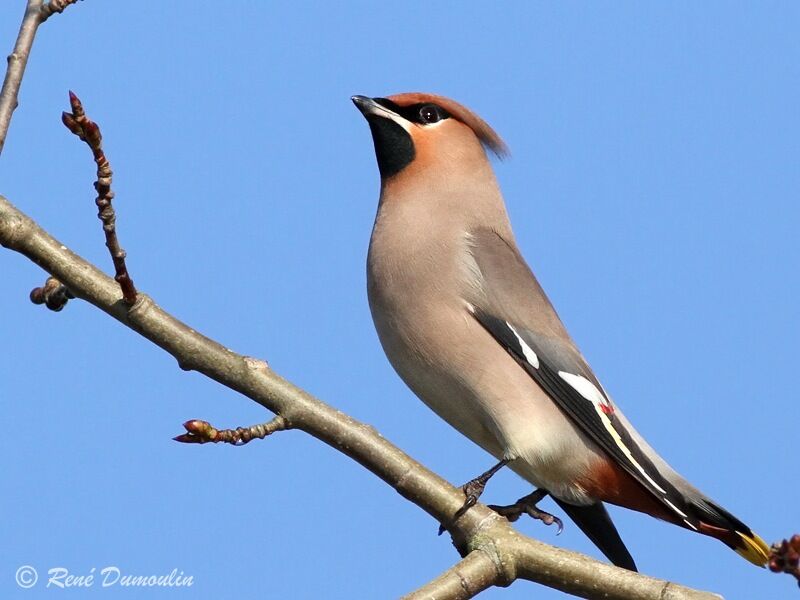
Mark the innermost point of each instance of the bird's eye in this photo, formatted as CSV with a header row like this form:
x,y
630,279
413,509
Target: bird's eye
x,y
430,113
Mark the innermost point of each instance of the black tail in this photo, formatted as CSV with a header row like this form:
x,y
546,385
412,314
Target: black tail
x,y
595,522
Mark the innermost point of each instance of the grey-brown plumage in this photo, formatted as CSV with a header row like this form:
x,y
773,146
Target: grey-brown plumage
x,y
467,326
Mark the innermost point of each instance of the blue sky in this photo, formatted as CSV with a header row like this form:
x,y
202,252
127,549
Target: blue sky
x,y
653,186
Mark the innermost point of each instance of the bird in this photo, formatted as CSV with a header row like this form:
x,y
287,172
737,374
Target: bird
x,y
467,326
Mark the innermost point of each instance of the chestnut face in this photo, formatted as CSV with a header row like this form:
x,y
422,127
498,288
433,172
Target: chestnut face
x,y
394,147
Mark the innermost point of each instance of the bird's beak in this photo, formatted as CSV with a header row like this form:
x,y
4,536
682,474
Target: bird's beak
x,y
367,106
371,109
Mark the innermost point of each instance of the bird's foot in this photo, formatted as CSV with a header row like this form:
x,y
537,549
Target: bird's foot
x,y
527,506
473,490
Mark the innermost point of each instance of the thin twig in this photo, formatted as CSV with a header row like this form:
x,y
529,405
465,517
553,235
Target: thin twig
x,y
54,6
88,131
203,432
17,61
36,13
52,294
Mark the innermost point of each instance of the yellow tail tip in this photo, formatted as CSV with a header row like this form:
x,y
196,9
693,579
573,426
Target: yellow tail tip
x,y
754,549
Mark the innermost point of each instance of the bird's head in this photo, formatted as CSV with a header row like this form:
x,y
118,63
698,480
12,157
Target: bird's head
x,y
423,131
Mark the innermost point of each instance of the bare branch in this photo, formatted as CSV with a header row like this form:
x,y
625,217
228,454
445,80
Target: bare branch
x,y
466,579
36,13
203,432
54,6
88,131
523,558
17,61
588,578
480,529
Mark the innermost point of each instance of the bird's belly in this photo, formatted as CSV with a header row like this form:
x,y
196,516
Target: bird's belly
x,y
462,374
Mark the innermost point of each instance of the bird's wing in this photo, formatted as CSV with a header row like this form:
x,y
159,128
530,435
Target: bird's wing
x,y
515,310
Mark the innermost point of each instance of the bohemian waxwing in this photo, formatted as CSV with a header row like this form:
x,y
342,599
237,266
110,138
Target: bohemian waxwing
x,y
467,326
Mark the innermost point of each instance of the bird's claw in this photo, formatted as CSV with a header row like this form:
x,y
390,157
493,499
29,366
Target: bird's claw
x,y
527,506
472,490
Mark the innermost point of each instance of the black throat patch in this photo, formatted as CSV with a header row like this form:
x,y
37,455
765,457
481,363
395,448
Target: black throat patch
x,y
394,148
